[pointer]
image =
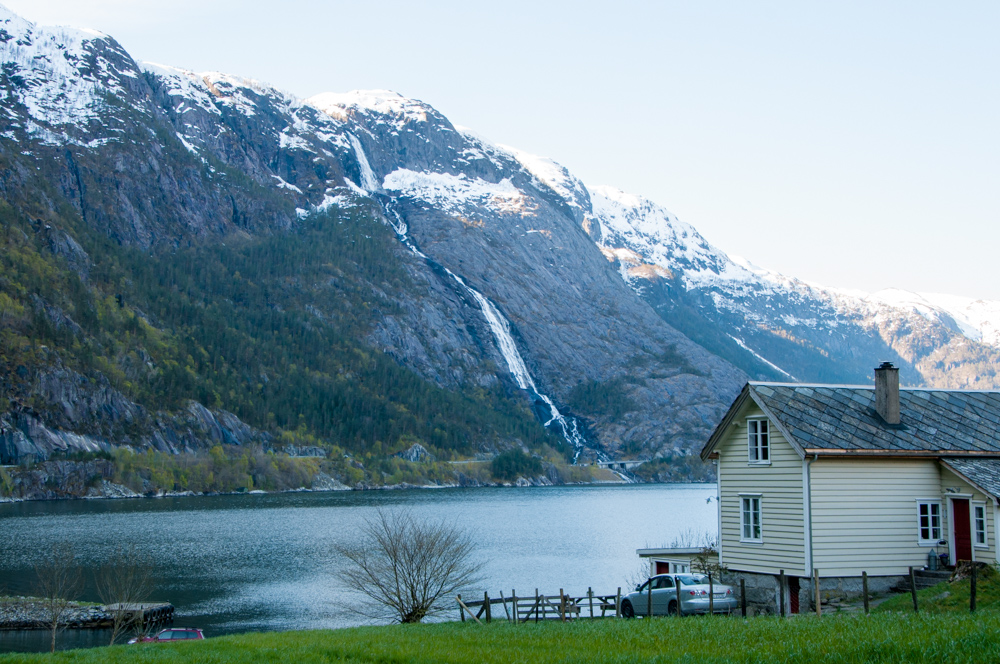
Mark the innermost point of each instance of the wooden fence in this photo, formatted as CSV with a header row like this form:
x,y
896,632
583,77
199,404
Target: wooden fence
x,y
540,607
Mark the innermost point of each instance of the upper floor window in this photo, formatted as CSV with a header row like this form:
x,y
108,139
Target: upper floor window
x,y
758,441
929,521
750,530
979,523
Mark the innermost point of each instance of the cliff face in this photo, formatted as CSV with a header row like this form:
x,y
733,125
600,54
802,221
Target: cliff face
x,y
104,154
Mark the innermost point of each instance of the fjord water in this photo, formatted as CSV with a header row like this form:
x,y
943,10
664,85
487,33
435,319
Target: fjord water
x,y
265,562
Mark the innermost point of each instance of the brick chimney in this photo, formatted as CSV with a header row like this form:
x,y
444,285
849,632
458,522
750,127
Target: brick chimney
x,y
887,392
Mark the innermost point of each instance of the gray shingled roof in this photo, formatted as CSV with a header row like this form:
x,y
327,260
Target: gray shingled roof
x,y
984,473
844,418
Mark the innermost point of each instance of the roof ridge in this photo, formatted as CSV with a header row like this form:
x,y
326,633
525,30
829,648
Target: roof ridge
x,y
756,383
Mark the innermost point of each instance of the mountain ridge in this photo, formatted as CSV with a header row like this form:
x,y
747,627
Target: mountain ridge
x,y
637,328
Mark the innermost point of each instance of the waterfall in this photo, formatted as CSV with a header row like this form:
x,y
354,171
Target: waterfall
x,y
500,327
368,180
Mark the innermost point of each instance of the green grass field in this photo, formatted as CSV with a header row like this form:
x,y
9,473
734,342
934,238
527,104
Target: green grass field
x,y
948,597
885,637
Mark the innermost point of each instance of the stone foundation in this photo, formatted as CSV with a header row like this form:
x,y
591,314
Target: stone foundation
x,y
763,597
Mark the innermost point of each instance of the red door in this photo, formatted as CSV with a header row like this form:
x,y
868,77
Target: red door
x,y
662,567
963,533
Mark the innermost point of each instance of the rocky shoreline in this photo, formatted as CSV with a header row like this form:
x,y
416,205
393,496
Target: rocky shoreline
x,y
110,490
30,613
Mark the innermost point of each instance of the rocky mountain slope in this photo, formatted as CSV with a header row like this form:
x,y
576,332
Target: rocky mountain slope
x,y
199,259
159,194
781,328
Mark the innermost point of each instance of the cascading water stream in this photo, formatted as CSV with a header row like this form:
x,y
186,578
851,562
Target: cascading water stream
x,y
500,328
498,324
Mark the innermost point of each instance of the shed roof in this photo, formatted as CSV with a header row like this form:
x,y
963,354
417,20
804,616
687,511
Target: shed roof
x,y
842,419
983,473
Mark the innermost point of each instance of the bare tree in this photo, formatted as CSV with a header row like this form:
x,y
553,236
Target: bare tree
x,y
407,566
124,583
60,581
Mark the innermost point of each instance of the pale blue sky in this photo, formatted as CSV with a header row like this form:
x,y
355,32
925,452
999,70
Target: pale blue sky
x,y
855,144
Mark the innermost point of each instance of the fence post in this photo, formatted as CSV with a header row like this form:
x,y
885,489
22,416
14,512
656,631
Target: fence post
x,y
618,603
913,590
743,596
590,598
649,598
677,584
781,591
562,606
972,589
489,609
461,613
864,589
537,607
711,596
513,599
819,596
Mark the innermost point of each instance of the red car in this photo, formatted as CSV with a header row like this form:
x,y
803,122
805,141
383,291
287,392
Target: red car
x,y
172,634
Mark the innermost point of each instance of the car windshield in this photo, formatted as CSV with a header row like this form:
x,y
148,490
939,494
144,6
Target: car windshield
x,y
692,579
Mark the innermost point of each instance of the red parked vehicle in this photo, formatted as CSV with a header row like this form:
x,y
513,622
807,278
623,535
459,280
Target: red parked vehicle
x,y
171,635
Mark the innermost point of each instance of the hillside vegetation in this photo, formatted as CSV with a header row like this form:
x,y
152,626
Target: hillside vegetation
x,y
272,329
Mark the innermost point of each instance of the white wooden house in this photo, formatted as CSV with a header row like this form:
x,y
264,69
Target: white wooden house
x,y
850,479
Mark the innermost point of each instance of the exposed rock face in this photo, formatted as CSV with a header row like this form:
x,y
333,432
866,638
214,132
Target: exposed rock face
x,y
416,453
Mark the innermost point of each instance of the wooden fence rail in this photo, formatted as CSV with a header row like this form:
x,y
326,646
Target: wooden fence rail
x,y
541,607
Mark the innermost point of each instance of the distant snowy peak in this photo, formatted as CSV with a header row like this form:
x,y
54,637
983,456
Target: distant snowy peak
x,y
648,241
978,320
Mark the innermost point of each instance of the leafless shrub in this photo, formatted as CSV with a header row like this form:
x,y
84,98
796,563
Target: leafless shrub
x,y
407,567
691,538
60,581
124,583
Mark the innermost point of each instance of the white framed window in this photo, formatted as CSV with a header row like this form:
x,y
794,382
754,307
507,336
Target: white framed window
x,y
928,521
758,441
750,518
979,524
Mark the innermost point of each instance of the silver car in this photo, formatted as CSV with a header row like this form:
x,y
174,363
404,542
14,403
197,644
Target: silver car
x,y
694,596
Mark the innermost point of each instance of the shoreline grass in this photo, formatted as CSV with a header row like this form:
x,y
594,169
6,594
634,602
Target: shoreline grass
x,y
890,637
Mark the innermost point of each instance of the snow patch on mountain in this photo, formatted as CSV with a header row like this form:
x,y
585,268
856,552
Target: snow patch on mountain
x,y
56,73
658,238
553,175
458,194
387,103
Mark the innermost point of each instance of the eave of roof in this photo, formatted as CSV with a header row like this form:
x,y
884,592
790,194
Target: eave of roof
x,y
708,451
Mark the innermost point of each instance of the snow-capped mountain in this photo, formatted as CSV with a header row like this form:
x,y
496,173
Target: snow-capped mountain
x,y
777,326
520,280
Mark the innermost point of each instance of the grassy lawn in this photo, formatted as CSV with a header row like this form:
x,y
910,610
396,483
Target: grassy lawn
x,y
885,637
947,597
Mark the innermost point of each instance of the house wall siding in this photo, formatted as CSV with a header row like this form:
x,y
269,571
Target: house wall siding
x,y
780,487
864,514
949,480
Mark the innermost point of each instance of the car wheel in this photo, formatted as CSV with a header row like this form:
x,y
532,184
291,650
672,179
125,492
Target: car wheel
x,y
672,609
627,610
